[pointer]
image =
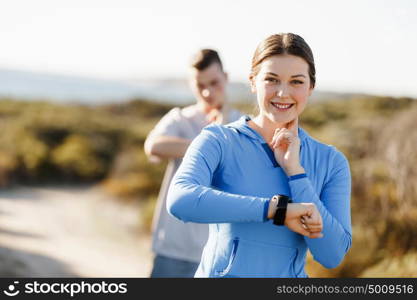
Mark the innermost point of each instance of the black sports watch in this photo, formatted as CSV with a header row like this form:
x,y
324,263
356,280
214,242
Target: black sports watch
x,y
279,217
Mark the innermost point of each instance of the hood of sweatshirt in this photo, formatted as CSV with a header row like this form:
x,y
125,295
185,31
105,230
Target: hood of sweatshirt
x,y
242,127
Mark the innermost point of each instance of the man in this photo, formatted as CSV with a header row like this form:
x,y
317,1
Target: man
x,y
178,246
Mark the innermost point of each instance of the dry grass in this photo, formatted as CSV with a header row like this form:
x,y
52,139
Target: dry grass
x,y
394,266
382,154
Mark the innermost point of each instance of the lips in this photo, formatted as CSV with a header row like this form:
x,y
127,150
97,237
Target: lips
x,y
282,106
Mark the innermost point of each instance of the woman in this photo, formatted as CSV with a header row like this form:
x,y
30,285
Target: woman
x,y
233,176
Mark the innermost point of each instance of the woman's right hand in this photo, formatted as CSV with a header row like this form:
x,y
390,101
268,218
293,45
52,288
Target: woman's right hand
x,y
305,219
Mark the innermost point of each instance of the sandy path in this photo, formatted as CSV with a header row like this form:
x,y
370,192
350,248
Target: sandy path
x,y
61,231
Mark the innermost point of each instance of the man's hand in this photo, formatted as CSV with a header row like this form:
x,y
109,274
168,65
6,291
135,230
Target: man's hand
x,y
215,116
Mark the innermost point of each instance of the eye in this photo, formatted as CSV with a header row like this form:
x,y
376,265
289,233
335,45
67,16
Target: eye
x,y
297,82
270,79
214,83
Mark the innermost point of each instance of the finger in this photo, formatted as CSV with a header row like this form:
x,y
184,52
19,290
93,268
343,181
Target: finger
x,y
312,221
278,129
315,218
279,140
293,126
314,226
274,138
308,212
283,138
288,131
314,229
277,132
303,231
316,235
273,141
211,117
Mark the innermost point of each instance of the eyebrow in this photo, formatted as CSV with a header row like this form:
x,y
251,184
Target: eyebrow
x,y
273,74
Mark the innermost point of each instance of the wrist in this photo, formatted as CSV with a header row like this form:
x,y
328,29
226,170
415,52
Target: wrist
x,y
273,203
295,171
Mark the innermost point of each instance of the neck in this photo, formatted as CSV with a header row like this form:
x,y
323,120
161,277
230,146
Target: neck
x,y
206,109
266,127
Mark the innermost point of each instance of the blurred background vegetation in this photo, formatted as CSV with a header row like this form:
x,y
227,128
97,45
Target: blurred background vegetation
x,y
45,143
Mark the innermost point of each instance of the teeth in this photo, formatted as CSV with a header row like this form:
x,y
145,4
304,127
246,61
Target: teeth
x,y
282,106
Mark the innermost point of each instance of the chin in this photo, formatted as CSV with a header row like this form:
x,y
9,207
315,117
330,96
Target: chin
x,y
277,120
214,105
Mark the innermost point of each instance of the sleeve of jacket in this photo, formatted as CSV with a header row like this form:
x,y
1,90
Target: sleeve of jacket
x,y
334,206
191,198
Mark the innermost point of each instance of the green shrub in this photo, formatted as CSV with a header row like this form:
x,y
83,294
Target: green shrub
x,y
76,157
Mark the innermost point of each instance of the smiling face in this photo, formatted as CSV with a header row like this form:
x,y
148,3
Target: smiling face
x,y
282,86
209,86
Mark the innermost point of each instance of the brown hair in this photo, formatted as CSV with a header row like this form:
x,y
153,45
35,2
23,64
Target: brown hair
x,y
205,58
284,43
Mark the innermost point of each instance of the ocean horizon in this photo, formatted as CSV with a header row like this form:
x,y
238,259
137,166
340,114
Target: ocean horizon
x,y
26,85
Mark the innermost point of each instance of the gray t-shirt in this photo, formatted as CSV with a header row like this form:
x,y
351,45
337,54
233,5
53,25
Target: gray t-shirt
x,y
172,237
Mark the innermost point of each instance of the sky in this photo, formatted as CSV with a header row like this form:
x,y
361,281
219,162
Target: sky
x,y
359,46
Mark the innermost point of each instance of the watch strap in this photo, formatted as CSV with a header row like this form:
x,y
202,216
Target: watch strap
x,y
281,211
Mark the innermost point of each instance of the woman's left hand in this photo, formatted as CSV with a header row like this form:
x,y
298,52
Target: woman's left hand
x,y
286,145
305,219
313,223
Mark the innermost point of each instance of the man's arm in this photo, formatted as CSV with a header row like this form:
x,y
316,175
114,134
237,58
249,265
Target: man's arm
x,y
166,147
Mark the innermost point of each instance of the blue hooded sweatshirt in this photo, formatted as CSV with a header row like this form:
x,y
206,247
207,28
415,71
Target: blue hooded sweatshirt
x,y
227,178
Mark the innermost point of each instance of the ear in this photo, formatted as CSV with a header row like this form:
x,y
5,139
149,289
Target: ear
x,y
310,91
226,76
252,85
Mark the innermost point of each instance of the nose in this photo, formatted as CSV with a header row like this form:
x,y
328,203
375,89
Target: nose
x,y
206,93
282,92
